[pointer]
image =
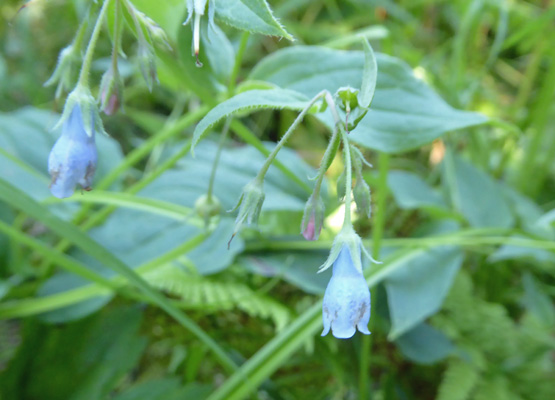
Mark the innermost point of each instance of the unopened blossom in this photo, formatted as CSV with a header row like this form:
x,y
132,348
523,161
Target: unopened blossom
x,y
313,218
73,158
347,299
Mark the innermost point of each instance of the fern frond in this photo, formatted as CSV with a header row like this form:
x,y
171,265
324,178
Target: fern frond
x,y
209,294
458,381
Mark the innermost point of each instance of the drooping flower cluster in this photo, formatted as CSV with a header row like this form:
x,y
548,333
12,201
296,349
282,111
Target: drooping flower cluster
x,y
73,158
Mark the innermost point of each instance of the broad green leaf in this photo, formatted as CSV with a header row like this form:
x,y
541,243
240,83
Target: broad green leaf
x,y
410,191
250,15
478,196
537,301
164,389
424,344
369,76
96,353
513,252
405,112
64,282
417,289
251,100
297,268
529,215
20,201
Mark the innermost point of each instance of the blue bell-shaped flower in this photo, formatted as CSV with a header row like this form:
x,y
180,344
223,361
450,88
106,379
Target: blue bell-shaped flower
x,y
73,158
347,298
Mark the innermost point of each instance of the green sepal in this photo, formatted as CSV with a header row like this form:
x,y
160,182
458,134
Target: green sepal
x,y
65,72
347,237
208,207
91,117
361,194
250,204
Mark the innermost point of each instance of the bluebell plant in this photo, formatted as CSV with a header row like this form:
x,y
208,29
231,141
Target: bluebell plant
x,y
73,158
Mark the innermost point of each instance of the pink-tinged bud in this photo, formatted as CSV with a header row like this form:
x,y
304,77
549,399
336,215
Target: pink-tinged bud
x,y
111,92
313,218
309,232
112,105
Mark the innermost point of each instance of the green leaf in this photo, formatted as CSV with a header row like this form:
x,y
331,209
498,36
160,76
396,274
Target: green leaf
x,y
20,201
411,192
296,267
164,389
478,196
96,353
424,344
417,289
250,101
405,112
537,302
250,15
369,76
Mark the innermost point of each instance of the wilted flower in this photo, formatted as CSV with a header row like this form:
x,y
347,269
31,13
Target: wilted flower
x,y
347,299
197,8
73,158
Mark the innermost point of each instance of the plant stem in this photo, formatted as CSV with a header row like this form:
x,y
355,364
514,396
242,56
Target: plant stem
x,y
85,68
117,38
223,137
287,134
348,179
377,235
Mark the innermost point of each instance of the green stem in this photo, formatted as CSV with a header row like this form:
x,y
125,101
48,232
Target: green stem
x,y
377,236
250,138
117,39
328,157
238,61
281,143
217,159
348,180
85,68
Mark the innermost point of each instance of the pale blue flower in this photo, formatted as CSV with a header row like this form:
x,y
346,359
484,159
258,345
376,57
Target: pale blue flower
x,y
73,158
347,298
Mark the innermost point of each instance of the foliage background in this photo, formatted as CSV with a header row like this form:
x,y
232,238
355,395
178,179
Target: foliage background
x,y
463,304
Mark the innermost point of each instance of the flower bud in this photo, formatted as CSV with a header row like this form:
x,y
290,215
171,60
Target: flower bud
x,y
147,63
361,193
249,205
207,207
313,218
111,91
73,158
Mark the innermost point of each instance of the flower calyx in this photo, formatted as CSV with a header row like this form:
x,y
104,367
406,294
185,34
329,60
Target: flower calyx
x,y
249,204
